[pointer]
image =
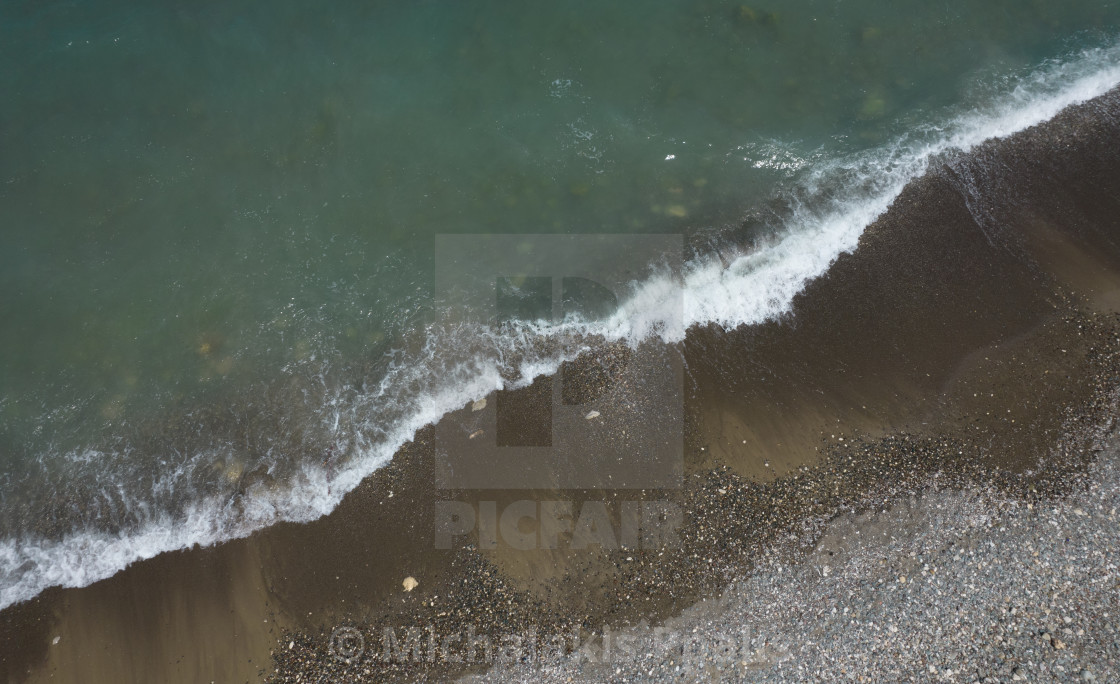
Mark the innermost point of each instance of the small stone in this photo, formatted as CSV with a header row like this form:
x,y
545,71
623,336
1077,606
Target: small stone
x,y
55,641
291,645
410,583
1087,676
476,433
592,414
478,405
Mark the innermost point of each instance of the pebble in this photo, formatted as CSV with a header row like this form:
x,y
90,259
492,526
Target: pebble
x,y
986,579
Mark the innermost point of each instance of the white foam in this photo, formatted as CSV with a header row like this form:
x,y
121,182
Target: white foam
x,y
761,284
457,366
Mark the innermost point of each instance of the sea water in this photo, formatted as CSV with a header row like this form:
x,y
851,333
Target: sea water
x,y
217,220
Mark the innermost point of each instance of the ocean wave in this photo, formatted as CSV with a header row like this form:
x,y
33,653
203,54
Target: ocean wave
x,y
832,202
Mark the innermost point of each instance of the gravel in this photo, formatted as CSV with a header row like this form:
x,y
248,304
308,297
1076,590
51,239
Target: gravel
x,y
958,585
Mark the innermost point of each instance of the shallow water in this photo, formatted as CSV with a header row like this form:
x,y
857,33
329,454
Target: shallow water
x,y
217,223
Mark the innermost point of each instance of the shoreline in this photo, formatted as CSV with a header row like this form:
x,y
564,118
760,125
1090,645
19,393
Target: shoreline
x,y
874,383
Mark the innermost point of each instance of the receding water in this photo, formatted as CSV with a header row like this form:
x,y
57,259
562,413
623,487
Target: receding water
x,y
217,219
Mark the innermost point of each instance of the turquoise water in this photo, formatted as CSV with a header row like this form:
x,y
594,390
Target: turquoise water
x,y
217,221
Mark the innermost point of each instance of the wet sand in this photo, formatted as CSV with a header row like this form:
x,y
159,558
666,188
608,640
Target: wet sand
x,y
973,334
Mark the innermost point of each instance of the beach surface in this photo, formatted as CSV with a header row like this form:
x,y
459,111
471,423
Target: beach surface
x,y
965,585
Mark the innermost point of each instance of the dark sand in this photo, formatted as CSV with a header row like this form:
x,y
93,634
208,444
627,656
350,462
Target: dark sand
x,y
973,333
